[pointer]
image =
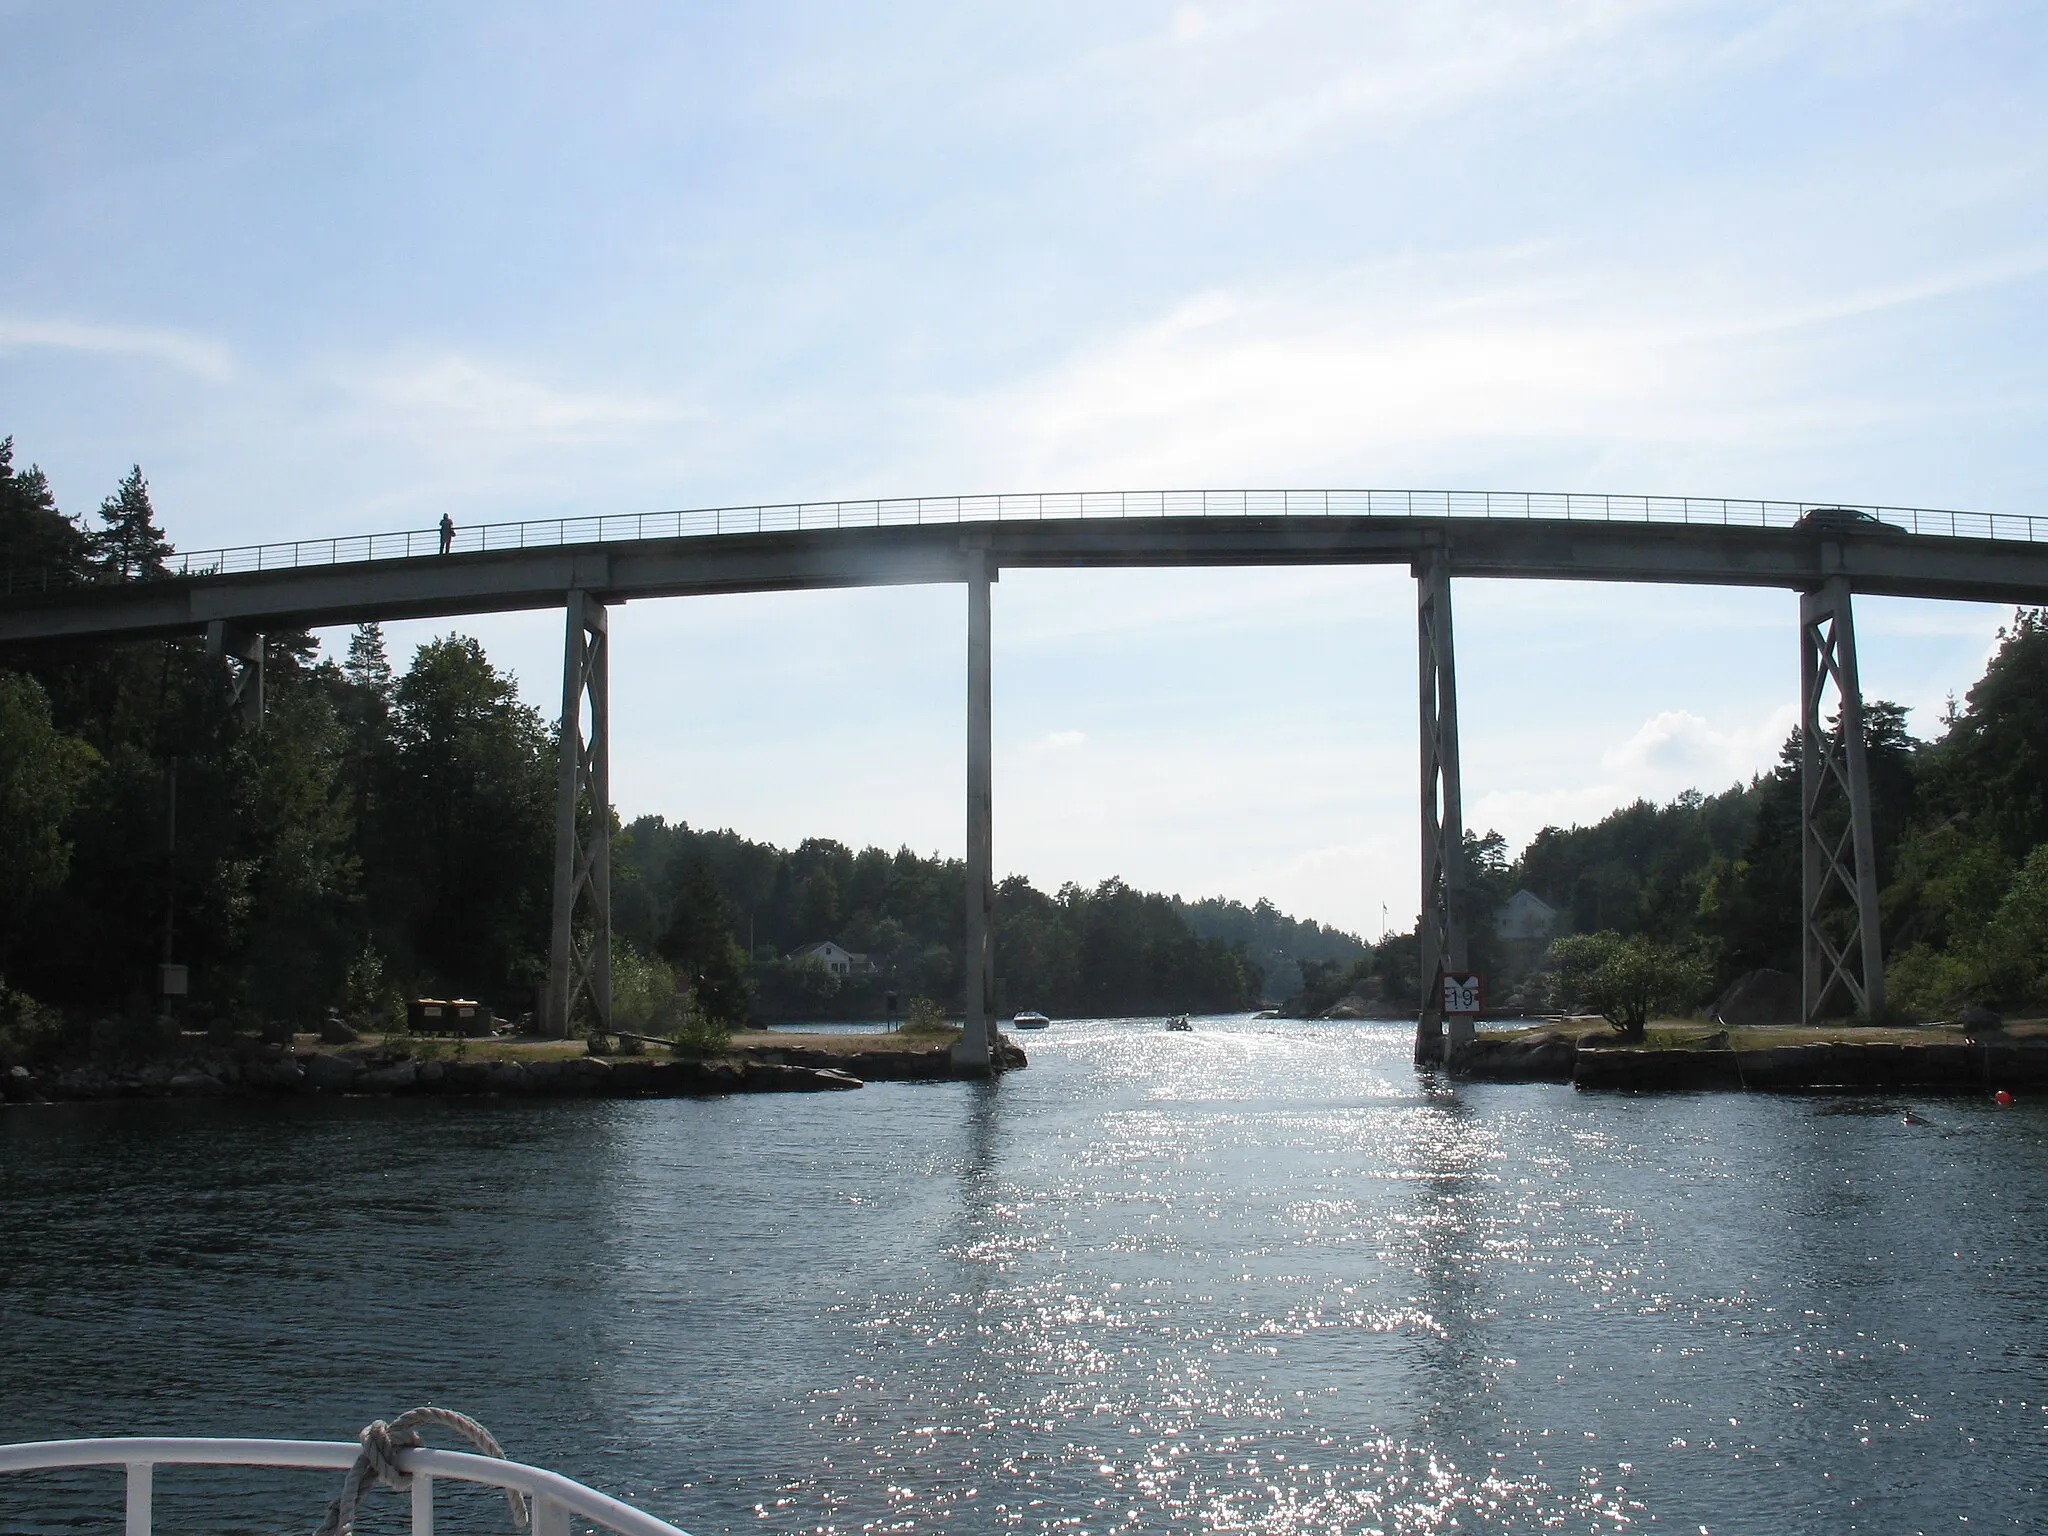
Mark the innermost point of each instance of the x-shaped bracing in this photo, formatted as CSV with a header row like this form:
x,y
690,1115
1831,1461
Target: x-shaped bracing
x,y
580,947
1841,952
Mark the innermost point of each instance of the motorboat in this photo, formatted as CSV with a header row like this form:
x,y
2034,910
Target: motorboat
x,y
1030,1021
1179,1022
387,1455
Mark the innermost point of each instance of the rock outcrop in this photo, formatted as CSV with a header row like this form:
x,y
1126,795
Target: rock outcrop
x,y
249,1068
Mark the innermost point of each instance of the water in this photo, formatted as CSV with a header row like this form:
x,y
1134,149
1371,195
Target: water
x,y
1257,1278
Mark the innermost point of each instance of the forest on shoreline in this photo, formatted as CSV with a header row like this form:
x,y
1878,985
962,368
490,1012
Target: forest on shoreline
x,y
1960,825
387,832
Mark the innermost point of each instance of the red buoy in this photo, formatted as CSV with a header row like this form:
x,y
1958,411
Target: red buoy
x,y
2001,1097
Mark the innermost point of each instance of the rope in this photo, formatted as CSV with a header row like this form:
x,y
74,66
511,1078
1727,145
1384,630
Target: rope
x,y
378,1462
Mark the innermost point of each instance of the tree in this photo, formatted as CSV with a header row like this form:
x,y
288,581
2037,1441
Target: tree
x,y
128,545
464,850
38,544
699,938
42,772
1627,980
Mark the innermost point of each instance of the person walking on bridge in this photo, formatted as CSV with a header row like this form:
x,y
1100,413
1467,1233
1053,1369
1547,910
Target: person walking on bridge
x,y
447,533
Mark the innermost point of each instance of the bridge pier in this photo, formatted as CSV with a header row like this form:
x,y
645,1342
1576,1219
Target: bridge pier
x,y
975,1047
1441,931
1839,952
242,647
583,856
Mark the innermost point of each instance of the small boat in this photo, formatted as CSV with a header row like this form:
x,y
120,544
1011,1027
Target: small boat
x,y
1179,1022
1031,1021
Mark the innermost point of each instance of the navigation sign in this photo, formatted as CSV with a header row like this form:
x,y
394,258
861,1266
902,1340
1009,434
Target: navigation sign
x,y
1461,993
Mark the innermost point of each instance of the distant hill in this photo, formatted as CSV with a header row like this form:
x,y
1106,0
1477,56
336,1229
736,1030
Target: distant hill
x,y
1107,949
1278,944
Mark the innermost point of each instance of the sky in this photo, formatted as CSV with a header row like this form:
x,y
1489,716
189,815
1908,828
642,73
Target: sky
x,y
344,267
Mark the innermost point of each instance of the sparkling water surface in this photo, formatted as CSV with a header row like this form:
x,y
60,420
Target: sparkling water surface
x,y
1261,1277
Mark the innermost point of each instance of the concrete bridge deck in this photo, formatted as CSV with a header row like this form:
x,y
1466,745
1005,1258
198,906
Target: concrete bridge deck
x,y
1875,559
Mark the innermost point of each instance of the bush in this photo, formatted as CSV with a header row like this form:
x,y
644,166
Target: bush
x,y
645,999
927,1018
369,1001
29,1032
699,1033
1626,980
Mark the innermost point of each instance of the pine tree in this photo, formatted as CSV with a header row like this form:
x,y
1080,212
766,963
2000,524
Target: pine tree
x,y
128,546
38,544
369,666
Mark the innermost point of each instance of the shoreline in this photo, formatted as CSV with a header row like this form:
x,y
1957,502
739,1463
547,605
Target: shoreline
x,y
519,1068
1680,1057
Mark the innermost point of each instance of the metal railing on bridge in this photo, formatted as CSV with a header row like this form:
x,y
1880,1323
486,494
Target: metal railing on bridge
x,y
916,511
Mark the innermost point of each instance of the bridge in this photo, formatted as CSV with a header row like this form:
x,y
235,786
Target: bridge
x,y
1824,553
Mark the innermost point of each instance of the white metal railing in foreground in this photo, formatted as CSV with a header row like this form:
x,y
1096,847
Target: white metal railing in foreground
x,y
555,1498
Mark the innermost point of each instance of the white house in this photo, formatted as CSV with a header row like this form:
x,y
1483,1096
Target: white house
x,y
1525,915
840,962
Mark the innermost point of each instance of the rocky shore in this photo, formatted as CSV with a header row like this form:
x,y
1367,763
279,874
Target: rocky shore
x,y
1847,1060
248,1068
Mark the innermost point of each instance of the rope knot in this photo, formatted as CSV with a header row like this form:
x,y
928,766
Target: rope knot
x,y
380,1450
378,1463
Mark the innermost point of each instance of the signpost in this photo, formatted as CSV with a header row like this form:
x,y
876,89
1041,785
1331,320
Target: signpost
x,y
1461,993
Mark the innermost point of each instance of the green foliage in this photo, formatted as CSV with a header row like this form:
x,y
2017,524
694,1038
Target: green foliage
x,y
411,811
31,1033
38,544
464,854
1991,765
1109,949
699,939
645,998
2016,938
1999,956
42,774
1964,910
927,1018
1283,949
128,545
699,1033
1628,979
369,1001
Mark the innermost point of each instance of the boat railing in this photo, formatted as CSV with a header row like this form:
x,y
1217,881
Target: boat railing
x,y
555,1498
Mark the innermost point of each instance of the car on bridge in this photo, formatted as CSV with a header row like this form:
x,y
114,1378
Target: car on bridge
x,y
1843,520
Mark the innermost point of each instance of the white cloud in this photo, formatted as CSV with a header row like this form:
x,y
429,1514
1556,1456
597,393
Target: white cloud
x,y
1672,751
1678,746
482,404
194,354
1501,355
1061,741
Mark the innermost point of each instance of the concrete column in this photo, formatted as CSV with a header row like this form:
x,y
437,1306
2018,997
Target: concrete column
x,y
1442,929
974,1047
582,825
243,650
1841,951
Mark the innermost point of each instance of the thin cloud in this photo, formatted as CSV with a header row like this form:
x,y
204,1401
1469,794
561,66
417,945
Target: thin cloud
x,y
459,393
1463,358
179,349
